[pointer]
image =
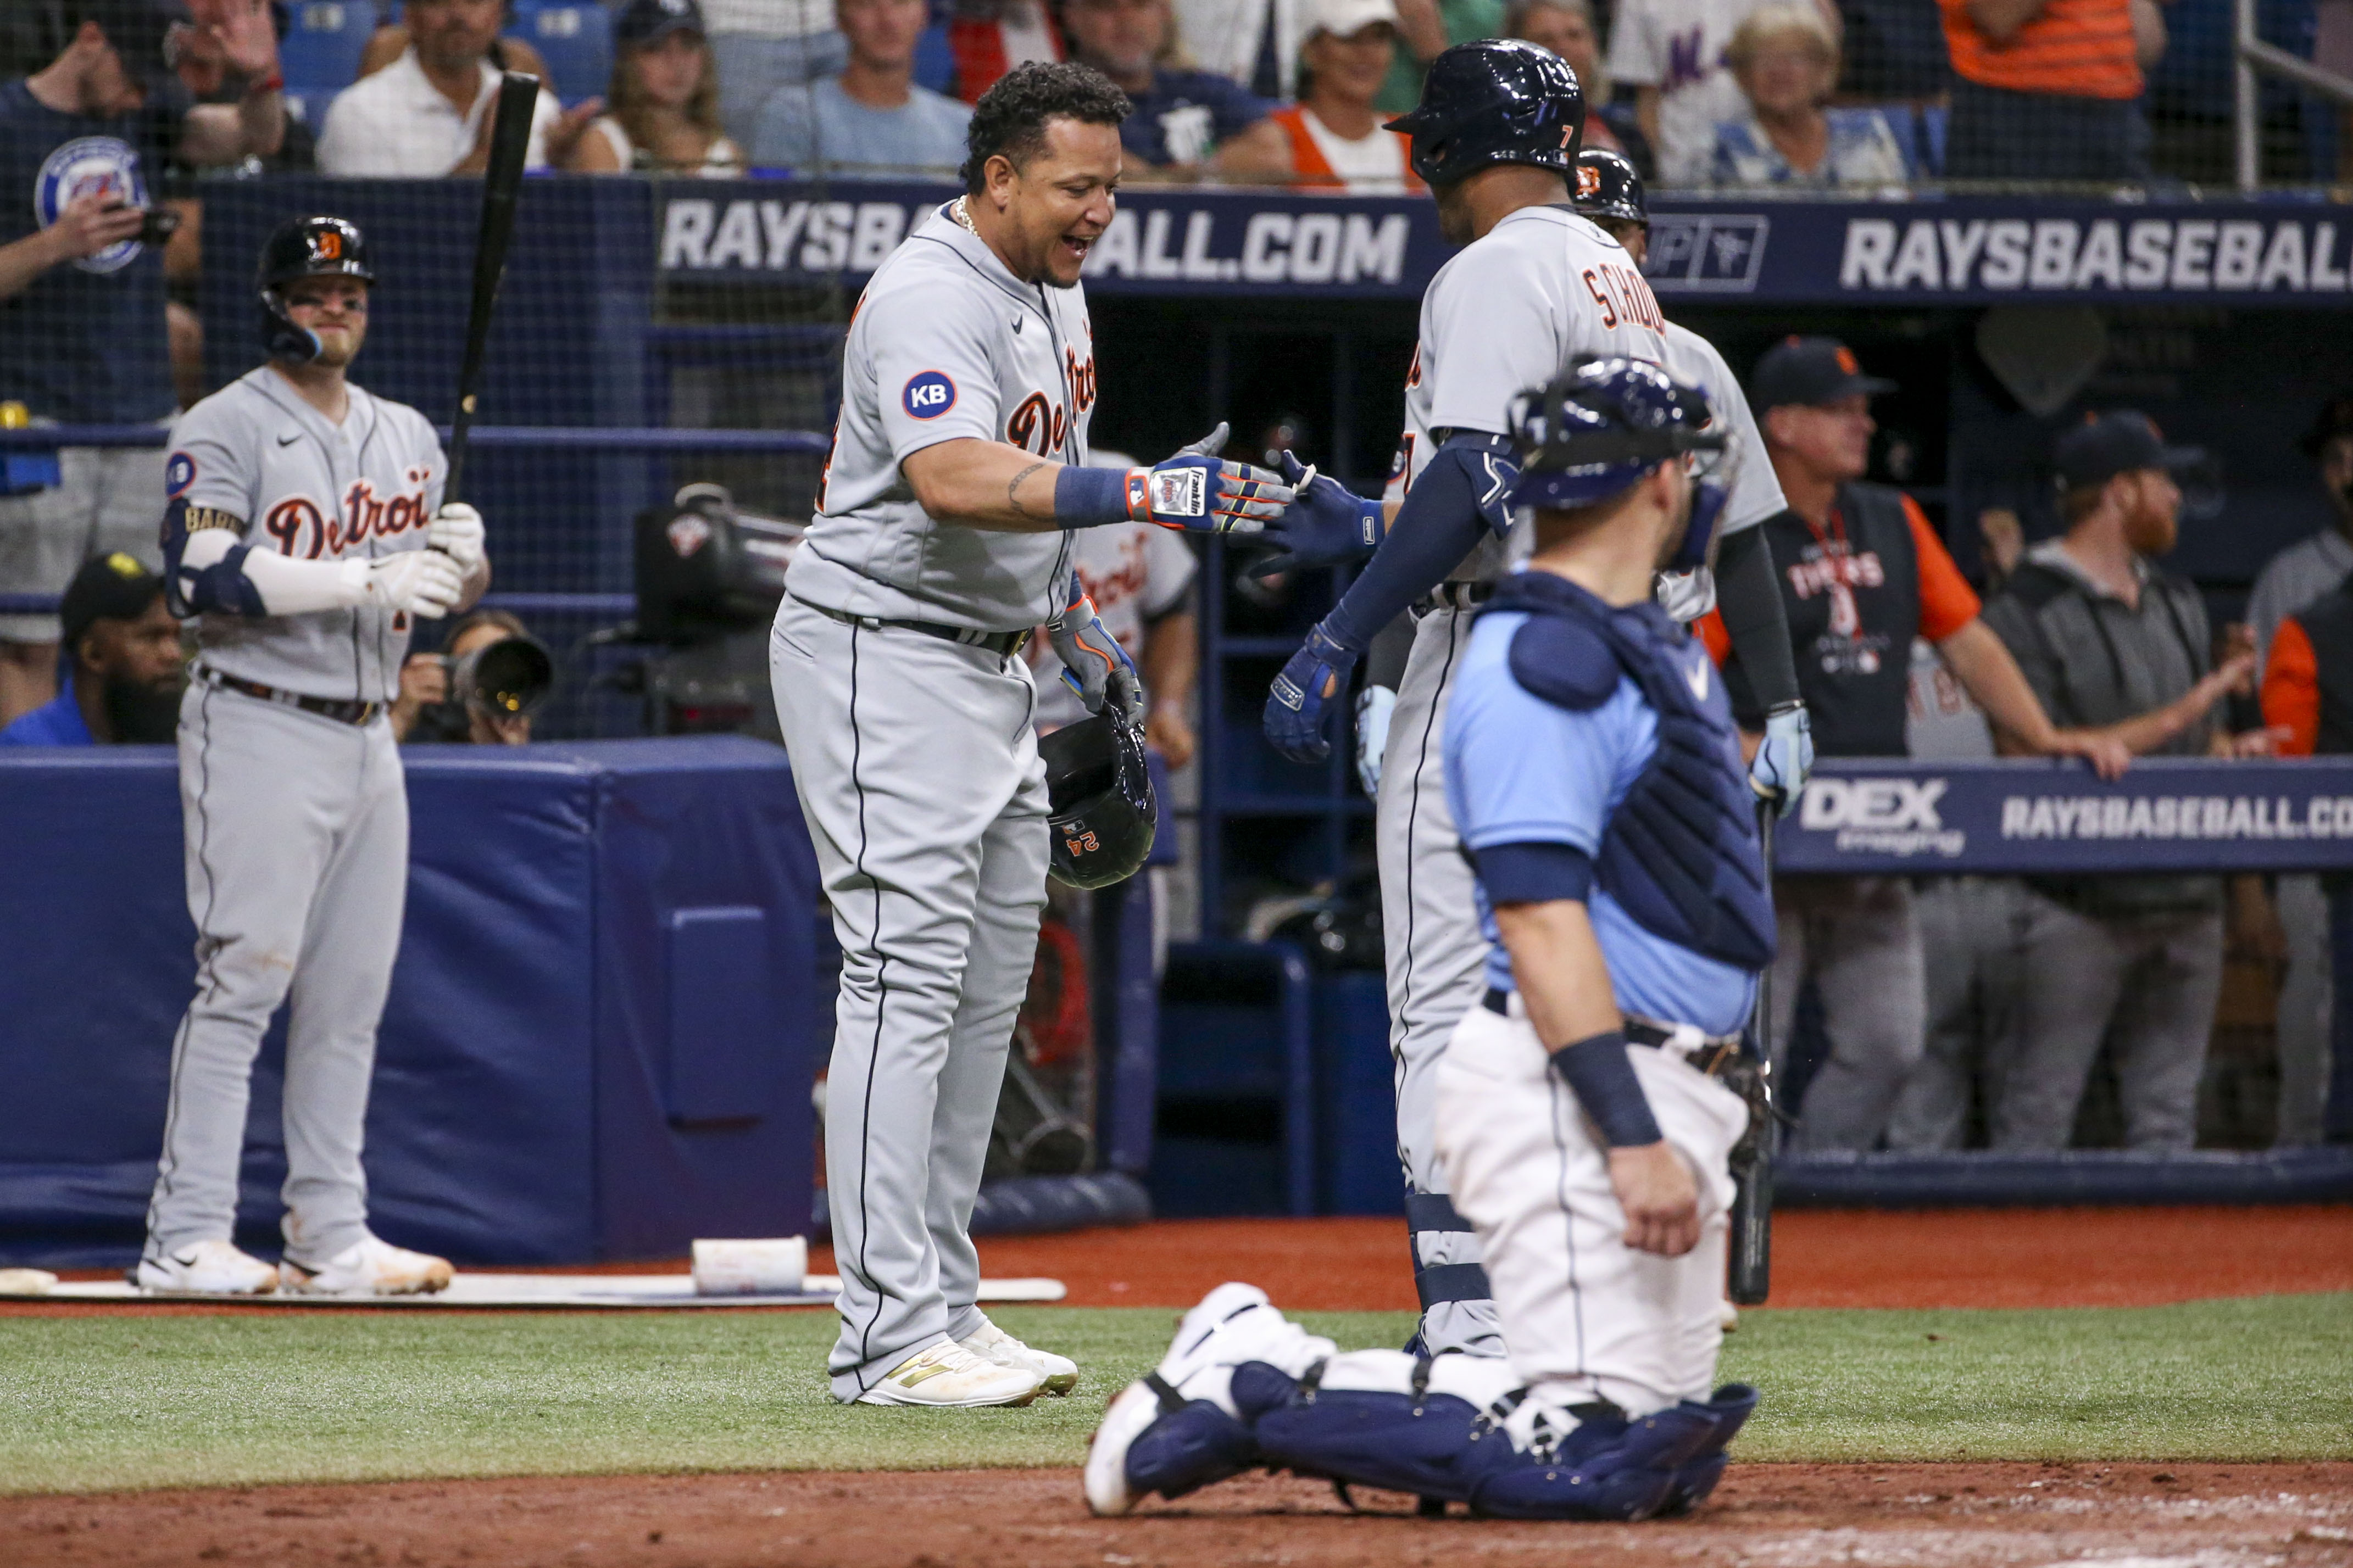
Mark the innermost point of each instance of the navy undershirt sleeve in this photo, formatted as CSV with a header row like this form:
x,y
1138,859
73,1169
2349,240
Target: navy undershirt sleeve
x,y
1456,501
1534,873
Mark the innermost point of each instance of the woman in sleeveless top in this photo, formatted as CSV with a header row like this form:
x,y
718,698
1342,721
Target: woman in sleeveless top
x,y
664,97
1334,133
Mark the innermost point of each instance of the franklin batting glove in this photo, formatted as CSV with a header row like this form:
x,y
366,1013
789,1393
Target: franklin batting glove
x,y
1309,687
1326,524
1093,664
1200,492
1784,758
424,582
1374,704
456,531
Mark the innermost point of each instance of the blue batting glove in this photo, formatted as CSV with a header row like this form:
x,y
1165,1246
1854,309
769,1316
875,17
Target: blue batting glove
x,y
1784,758
1326,524
1093,664
1200,492
1374,705
1309,687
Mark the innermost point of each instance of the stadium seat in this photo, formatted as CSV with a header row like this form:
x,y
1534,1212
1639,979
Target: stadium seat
x,y
575,39
321,52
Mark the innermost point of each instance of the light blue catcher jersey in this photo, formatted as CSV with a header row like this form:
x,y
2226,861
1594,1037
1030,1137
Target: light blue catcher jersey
x,y
1519,770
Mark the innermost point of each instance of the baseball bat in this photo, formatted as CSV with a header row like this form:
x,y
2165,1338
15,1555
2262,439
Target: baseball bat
x,y
510,139
1752,1193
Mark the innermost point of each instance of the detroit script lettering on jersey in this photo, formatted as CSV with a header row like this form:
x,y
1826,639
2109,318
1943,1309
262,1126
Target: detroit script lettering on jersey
x,y
301,529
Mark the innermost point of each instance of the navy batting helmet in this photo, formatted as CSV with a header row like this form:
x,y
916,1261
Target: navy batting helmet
x,y
305,248
1099,794
1606,185
1593,432
1495,100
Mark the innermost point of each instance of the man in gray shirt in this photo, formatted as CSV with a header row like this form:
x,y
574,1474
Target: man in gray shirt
x,y
2102,635
871,119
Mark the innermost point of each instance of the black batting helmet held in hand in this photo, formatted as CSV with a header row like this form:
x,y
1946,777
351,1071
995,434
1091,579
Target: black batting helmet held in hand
x,y
1606,185
305,248
1099,791
1495,100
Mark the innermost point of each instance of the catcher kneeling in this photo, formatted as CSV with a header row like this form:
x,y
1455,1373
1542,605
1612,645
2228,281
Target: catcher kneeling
x,y
1589,1112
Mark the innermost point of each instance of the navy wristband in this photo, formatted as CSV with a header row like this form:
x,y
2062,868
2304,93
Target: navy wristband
x,y
1090,498
1597,1072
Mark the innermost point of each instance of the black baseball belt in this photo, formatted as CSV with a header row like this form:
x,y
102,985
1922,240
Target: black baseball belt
x,y
342,709
1005,645
1715,1055
1454,595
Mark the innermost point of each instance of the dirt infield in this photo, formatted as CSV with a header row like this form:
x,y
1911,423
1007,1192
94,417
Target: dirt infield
x,y
1766,1516
1822,1258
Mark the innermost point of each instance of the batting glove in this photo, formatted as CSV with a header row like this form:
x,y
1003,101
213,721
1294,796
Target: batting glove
x,y
1093,664
1200,492
424,582
1784,758
1374,706
1303,693
456,530
1326,524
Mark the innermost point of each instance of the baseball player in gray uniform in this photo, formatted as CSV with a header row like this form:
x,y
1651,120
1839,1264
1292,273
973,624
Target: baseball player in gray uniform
x,y
1539,288
941,537
305,529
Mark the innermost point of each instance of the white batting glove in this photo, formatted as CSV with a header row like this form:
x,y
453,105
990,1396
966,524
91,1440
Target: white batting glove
x,y
457,532
424,582
1785,758
1374,706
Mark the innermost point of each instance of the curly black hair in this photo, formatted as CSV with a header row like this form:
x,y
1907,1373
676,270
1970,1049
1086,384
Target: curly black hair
x,y
1012,116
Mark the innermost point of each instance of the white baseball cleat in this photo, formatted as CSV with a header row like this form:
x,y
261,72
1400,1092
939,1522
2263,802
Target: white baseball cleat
x,y
950,1377
369,1267
1059,1373
1109,1495
205,1268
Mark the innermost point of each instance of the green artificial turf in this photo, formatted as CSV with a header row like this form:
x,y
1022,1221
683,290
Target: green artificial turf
x,y
99,1401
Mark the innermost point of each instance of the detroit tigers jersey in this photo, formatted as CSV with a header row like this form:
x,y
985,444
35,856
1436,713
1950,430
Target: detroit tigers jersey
x,y
1541,290
299,484
1692,361
946,344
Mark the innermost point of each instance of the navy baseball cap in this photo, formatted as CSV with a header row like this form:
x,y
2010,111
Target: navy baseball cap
x,y
1809,372
138,30
650,21
2123,442
109,587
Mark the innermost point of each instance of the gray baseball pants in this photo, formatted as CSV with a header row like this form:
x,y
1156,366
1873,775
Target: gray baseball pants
x,y
297,840
919,777
1436,960
1972,939
1857,939
2146,982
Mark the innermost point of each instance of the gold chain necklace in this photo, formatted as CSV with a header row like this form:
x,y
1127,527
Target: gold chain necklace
x,y
956,211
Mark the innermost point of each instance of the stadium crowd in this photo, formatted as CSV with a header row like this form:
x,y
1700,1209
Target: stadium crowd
x,y
1900,654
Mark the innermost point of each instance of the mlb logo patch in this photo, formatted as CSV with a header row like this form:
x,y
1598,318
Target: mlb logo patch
x,y
928,395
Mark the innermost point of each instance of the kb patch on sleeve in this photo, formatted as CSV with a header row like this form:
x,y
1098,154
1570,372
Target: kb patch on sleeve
x,y
928,395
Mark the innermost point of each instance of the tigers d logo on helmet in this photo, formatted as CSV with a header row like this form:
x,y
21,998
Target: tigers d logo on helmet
x,y
1588,182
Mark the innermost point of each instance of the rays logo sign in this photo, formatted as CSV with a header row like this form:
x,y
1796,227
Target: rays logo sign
x,y
103,166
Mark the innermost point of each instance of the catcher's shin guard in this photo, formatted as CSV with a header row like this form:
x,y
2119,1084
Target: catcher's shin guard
x,y
1382,1418
1729,1407
1606,1467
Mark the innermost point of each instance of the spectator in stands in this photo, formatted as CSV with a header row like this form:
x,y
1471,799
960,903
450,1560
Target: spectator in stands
x,y
1862,574
217,72
390,41
1336,136
1253,43
2298,576
1429,28
2307,694
664,98
764,44
426,711
989,37
428,114
84,338
1672,53
872,118
126,672
2104,635
1188,124
1566,28
2048,89
1785,60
